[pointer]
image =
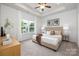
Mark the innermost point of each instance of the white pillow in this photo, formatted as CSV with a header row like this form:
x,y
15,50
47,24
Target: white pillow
x,y
57,32
48,32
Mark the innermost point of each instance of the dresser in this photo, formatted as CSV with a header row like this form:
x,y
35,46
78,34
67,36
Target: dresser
x,y
13,49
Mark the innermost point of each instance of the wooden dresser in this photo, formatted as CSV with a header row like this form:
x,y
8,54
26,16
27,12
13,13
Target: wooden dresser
x,y
13,49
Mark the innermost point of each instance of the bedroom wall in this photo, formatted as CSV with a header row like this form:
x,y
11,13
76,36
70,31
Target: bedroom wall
x,y
12,15
66,18
78,24
15,17
39,24
0,18
0,14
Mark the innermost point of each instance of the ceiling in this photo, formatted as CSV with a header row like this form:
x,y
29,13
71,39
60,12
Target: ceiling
x,y
55,7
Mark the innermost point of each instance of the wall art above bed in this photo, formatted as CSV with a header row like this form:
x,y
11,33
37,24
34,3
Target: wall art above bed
x,y
53,22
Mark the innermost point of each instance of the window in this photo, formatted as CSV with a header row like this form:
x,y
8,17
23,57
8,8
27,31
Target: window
x,y
31,26
27,26
24,26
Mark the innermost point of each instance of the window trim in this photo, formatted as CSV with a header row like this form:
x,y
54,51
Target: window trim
x,y
28,26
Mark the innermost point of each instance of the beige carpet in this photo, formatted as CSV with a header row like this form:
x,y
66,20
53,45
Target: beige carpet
x,y
30,48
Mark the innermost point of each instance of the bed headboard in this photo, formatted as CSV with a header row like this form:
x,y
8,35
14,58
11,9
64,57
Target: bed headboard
x,y
54,28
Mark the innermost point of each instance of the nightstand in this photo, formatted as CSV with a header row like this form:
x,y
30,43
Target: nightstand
x,y
66,32
66,37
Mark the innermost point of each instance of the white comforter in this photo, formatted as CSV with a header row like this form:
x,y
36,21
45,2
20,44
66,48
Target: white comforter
x,y
51,39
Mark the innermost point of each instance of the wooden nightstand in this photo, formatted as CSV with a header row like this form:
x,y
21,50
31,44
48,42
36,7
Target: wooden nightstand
x,y
12,49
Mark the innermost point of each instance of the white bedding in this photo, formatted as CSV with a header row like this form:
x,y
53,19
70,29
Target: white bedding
x,y
51,39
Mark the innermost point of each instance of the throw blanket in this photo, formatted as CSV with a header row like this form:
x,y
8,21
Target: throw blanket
x,y
38,38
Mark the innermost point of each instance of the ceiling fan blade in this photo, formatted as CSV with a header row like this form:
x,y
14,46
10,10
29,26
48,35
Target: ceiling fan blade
x,y
37,7
48,6
39,3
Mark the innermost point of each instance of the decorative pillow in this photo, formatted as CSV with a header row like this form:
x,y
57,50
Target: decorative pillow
x,y
57,32
52,32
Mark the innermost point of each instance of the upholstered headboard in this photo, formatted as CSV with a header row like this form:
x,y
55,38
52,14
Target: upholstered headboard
x,y
54,28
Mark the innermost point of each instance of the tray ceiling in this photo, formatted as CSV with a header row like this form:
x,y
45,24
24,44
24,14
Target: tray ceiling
x,y
55,7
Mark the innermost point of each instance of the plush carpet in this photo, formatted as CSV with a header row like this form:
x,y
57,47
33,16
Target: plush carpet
x,y
29,48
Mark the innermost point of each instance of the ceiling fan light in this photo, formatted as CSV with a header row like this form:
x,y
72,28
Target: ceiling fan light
x,y
42,7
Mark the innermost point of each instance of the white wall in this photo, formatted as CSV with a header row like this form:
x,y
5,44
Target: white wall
x,y
12,15
0,14
66,18
78,24
0,19
15,17
39,24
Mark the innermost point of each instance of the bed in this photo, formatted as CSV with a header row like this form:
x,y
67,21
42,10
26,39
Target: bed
x,y
51,39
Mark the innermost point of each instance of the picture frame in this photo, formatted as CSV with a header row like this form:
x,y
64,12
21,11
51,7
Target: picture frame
x,y
53,22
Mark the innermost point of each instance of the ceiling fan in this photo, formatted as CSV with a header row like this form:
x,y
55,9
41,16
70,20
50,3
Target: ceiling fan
x,y
42,6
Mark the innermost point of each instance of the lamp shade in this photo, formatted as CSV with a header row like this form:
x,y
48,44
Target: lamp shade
x,y
66,30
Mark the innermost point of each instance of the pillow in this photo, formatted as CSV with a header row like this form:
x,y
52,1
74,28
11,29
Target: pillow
x,y
57,32
48,32
52,32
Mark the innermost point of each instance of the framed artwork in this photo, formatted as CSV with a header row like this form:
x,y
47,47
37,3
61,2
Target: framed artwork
x,y
53,22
